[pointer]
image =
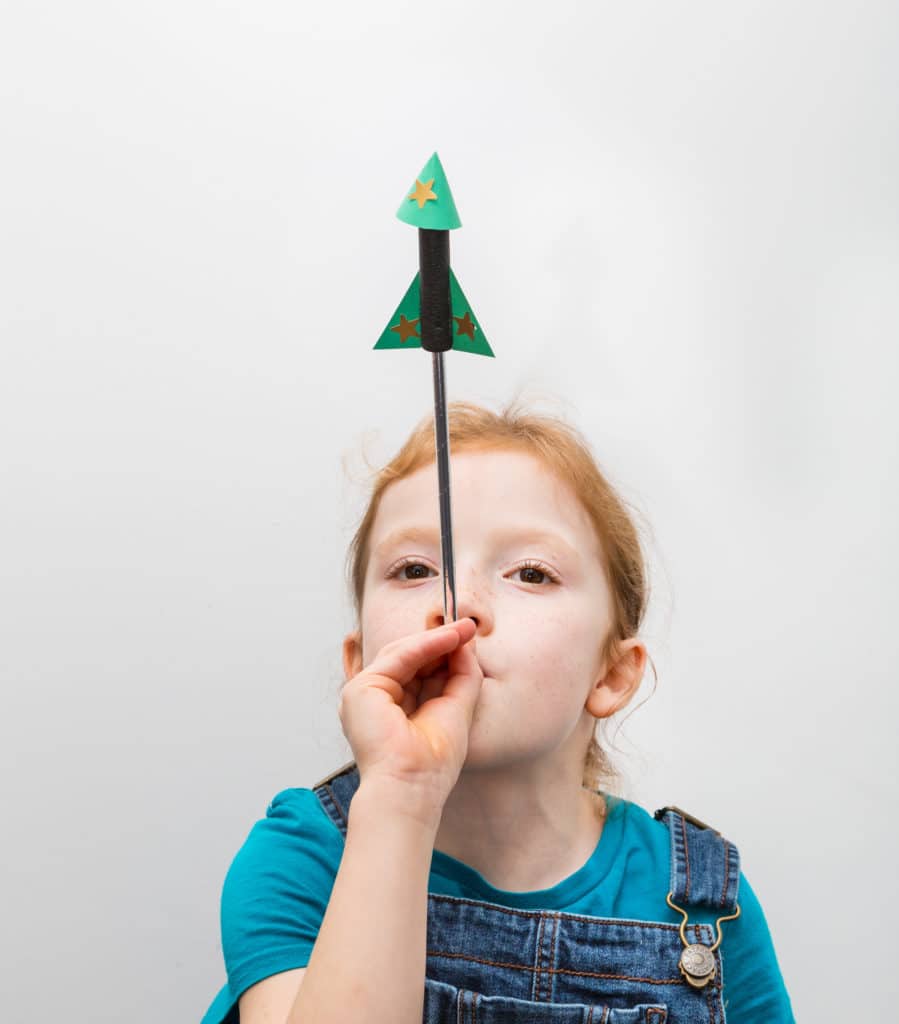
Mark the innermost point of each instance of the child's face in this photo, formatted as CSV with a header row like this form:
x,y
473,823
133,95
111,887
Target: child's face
x,y
538,639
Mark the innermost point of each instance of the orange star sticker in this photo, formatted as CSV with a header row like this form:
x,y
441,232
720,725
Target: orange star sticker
x,y
406,329
464,325
423,193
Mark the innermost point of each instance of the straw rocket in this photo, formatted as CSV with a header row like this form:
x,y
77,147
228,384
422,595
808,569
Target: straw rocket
x,y
434,315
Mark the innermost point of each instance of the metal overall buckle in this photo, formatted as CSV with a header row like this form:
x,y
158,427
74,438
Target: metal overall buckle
x,y
697,962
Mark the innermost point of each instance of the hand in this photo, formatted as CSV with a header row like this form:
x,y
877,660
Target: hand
x,y
408,714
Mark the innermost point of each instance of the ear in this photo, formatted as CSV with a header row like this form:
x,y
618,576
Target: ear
x,y
621,681
352,654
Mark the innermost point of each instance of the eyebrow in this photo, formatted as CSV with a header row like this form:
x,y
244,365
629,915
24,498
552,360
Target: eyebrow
x,y
431,535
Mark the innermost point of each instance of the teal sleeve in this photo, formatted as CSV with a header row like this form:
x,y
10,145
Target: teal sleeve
x,y
275,894
754,989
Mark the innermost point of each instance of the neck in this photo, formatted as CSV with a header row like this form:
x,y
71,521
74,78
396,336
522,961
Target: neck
x,y
522,834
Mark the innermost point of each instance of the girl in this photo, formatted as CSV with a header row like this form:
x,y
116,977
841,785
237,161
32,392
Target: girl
x,y
466,866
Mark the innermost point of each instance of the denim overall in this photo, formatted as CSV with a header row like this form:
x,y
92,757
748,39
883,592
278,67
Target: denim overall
x,y
489,964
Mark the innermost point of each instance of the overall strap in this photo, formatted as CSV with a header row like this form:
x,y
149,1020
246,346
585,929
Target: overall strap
x,y
705,867
335,791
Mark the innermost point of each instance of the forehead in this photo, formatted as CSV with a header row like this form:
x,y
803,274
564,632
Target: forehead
x,y
502,487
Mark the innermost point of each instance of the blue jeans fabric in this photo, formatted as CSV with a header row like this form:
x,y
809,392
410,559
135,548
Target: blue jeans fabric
x,y
489,964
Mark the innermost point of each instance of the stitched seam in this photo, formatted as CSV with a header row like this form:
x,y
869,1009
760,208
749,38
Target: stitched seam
x,y
553,970
538,959
674,854
683,826
697,937
336,804
726,870
544,918
561,915
327,801
545,921
556,930
712,987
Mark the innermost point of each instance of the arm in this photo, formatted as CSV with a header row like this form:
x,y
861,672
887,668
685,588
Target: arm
x,y
369,958
754,988
368,953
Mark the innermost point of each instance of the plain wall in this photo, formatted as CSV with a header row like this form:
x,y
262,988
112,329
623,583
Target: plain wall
x,y
680,233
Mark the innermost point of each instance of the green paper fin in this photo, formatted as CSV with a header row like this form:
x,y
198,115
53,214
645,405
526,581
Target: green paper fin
x,y
404,329
404,324
467,333
429,202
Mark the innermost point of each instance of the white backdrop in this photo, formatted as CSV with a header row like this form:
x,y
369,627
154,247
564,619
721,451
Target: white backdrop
x,y
681,232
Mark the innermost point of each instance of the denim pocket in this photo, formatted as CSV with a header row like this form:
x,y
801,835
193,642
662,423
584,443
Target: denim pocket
x,y
445,1004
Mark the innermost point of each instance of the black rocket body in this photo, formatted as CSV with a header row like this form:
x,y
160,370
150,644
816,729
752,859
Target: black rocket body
x,y
434,290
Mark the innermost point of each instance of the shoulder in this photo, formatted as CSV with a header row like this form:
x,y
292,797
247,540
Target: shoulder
x,y
754,987
638,823
298,809
294,819
682,828
644,843
295,826
289,859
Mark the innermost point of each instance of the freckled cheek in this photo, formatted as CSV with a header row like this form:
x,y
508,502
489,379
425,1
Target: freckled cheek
x,y
557,650
544,654
387,617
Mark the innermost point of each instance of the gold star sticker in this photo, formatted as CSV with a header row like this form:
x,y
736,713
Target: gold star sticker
x,y
423,193
406,329
464,325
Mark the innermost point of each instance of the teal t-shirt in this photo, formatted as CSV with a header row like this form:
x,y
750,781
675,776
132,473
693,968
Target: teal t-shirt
x,y
277,889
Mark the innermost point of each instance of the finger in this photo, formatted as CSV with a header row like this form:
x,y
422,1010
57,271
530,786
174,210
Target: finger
x,y
460,662
433,686
465,677
402,659
441,662
438,664
462,626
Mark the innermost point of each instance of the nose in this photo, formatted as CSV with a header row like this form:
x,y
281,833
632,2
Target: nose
x,y
470,604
